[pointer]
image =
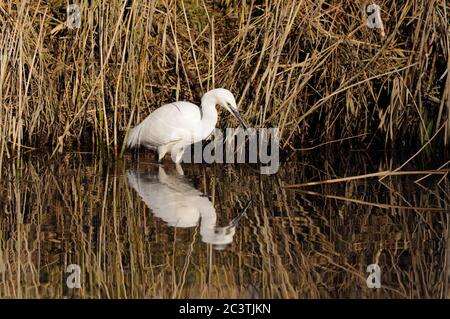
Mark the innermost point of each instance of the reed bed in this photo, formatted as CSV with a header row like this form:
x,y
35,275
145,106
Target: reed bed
x,y
291,244
312,68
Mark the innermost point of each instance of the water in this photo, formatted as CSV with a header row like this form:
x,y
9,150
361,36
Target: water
x,y
139,230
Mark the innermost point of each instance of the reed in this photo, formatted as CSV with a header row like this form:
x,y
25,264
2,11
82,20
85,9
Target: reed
x,y
313,69
81,210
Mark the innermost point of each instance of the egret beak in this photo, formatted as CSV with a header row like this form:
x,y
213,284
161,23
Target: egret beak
x,y
238,117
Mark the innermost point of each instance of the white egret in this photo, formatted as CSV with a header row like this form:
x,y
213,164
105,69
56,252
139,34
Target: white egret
x,y
179,204
174,126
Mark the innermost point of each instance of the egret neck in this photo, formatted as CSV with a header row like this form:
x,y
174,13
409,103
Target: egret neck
x,y
209,115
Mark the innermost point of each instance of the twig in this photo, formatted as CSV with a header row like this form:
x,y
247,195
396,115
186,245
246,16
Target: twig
x,y
383,173
380,205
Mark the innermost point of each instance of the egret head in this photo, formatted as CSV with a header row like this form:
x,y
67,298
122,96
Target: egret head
x,y
226,99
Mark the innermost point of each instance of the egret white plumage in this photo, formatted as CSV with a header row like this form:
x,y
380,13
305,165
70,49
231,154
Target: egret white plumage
x,y
176,125
179,204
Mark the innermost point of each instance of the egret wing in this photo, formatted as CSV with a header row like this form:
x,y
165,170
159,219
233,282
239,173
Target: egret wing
x,y
177,208
171,122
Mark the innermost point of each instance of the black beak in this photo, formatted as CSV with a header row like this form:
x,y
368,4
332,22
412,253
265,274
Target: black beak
x,y
239,117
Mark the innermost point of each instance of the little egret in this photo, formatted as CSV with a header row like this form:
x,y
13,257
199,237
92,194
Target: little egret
x,y
174,126
179,204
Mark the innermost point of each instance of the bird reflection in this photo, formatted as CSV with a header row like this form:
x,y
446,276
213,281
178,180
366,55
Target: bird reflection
x,y
179,204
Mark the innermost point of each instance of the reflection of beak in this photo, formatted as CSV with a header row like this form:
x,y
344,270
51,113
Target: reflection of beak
x,y
239,118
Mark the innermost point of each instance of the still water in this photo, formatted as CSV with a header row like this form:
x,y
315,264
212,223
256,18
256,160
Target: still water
x,y
136,229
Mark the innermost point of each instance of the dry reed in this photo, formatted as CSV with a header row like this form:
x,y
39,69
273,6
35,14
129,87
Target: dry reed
x,y
289,245
313,69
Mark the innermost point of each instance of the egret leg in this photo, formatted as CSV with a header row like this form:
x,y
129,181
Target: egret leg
x,y
135,154
161,174
179,169
177,156
162,150
177,152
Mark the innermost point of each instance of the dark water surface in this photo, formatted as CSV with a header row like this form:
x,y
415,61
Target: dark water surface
x,y
140,230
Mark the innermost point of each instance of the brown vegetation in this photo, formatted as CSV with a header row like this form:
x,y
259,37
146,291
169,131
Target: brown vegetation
x,y
291,244
312,68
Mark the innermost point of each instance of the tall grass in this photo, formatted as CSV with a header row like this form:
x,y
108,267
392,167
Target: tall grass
x,y
290,245
312,68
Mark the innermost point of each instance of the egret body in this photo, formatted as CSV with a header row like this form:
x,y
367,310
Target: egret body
x,y
174,126
179,204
